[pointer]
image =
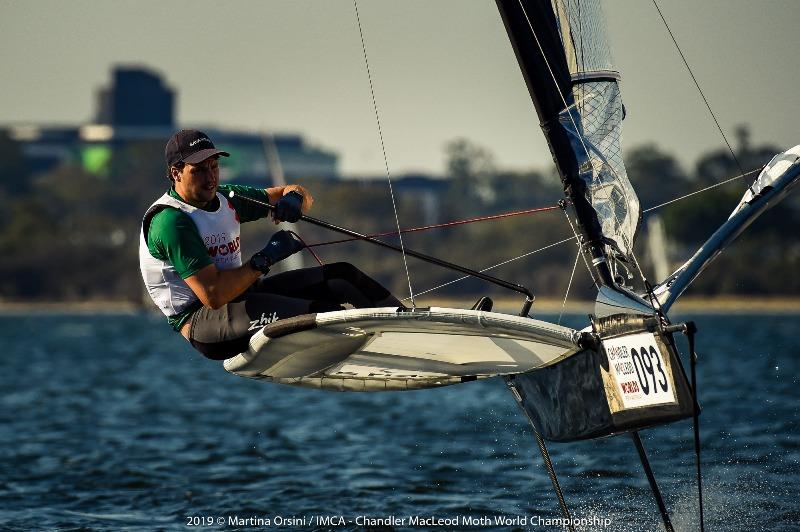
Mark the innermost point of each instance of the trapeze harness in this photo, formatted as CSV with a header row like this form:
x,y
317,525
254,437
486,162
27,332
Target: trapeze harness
x,y
224,332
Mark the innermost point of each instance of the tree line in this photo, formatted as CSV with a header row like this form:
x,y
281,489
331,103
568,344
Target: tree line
x,y
71,235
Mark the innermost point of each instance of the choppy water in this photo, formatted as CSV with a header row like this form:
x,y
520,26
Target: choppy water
x,y
112,422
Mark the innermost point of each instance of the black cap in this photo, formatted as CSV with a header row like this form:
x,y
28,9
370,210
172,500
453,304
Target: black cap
x,y
190,146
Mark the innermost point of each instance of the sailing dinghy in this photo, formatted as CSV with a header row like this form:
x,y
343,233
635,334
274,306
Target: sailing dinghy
x,y
620,374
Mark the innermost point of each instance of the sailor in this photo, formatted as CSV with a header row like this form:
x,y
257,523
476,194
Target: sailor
x,y
191,258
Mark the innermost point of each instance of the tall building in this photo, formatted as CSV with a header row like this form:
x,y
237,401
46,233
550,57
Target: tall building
x,y
136,97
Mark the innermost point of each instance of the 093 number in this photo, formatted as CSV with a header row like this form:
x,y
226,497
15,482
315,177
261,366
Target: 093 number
x,y
648,364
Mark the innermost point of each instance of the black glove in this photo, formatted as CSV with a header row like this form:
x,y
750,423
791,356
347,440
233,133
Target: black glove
x,y
288,208
281,245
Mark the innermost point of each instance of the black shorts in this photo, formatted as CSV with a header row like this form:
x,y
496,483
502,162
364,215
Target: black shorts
x,y
225,332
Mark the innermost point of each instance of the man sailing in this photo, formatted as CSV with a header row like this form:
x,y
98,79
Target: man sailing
x,y
191,261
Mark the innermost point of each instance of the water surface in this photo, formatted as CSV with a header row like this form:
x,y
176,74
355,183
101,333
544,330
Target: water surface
x,y
112,422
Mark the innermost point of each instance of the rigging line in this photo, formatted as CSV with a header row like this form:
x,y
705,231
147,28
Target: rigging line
x,y
636,262
383,149
580,39
703,189
307,247
445,224
638,268
580,28
554,244
580,247
730,149
569,285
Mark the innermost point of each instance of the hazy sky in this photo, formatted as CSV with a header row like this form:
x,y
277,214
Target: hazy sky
x,y
441,69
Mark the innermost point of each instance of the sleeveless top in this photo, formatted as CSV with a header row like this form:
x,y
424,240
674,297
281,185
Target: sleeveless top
x,y
220,231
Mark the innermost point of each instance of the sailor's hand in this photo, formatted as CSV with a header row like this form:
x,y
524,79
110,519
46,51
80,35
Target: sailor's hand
x,y
282,244
288,208
308,199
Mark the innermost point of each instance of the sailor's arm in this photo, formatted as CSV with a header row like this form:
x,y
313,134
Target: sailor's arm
x,y
216,288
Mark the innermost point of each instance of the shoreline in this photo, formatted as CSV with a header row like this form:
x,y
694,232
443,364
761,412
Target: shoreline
x,y
692,304
70,307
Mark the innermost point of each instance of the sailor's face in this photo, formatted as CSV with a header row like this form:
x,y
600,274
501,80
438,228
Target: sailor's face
x,y
197,183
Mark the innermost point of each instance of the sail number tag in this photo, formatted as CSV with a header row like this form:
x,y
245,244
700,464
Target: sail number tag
x,y
642,373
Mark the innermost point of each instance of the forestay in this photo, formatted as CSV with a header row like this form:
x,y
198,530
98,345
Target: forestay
x,y
381,349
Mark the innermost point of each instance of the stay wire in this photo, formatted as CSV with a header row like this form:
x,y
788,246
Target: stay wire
x,y
702,94
715,185
578,240
529,253
383,149
633,256
444,225
569,285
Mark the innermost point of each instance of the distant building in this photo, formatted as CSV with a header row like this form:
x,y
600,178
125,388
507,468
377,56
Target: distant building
x,y
136,97
139,106
44,148
256,157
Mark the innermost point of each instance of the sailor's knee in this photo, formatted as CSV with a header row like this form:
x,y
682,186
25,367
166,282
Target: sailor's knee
x,y
341,270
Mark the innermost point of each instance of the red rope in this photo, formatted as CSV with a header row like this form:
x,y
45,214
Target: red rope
x,y
307,247
446,224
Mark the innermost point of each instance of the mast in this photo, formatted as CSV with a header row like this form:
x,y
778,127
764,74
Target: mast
x,y
566,66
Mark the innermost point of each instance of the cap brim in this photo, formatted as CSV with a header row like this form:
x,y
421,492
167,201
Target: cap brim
x,y
202,155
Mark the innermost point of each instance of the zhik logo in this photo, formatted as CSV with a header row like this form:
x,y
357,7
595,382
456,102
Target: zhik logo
x,y
192,143
263,320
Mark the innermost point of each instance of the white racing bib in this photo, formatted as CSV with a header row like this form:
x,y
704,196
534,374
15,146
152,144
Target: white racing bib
x,y
220,231
641,372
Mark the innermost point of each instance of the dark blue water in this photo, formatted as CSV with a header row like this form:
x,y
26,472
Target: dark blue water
x,y
112,422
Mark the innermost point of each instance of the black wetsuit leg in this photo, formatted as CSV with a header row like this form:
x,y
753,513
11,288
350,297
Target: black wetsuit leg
x,y
340,282
224,332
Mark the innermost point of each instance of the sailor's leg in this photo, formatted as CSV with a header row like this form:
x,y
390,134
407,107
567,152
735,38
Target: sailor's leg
x,y
224,332
339,281
356,287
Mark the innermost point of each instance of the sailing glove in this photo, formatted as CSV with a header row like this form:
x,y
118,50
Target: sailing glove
x,y
287,209
281,245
